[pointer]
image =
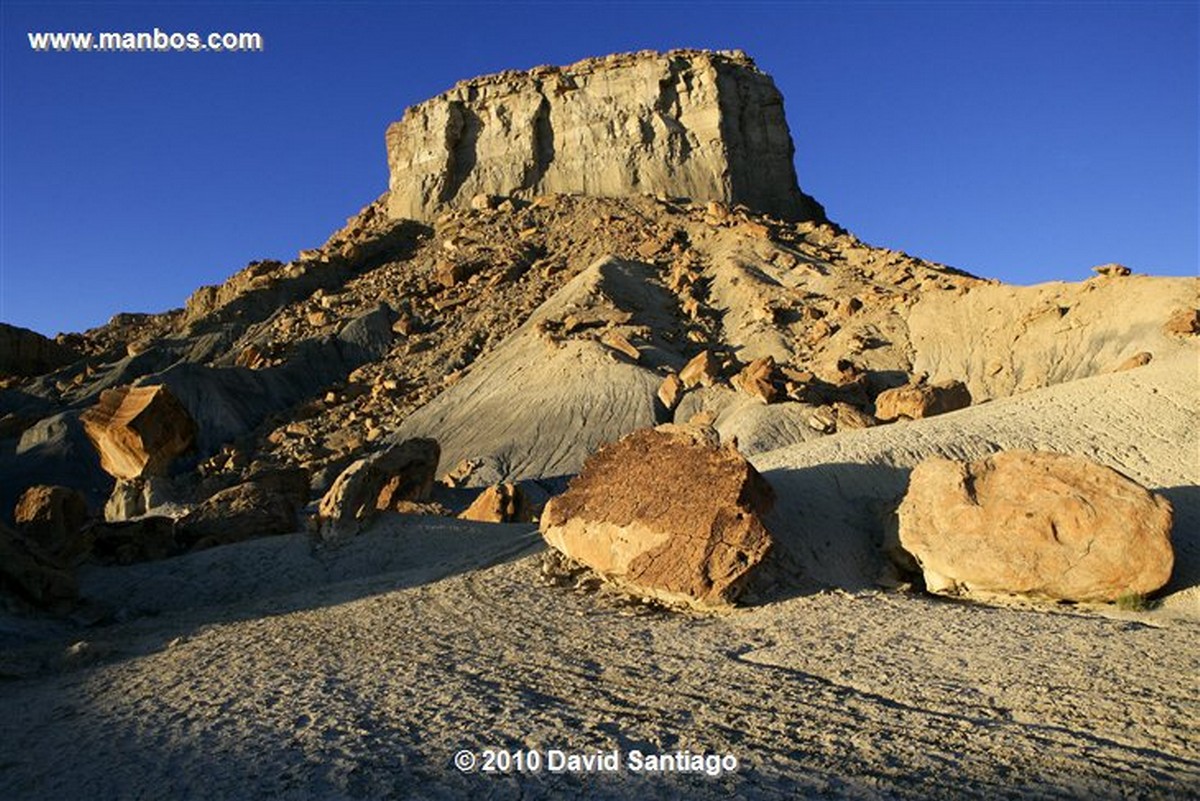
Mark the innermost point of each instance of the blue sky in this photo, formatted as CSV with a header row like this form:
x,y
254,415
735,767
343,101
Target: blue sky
x,y
1019,141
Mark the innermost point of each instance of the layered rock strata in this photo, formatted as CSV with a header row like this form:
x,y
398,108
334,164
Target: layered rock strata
x,y
697,124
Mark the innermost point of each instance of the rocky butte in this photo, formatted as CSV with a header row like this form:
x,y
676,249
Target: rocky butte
x,y
696,124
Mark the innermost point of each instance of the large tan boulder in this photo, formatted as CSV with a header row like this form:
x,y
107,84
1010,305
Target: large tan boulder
x,y
401,473
667,513
52,517
913,401
138,430
1037,524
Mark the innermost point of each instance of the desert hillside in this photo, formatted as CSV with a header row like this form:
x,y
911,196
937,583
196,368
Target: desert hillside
x,y
594,433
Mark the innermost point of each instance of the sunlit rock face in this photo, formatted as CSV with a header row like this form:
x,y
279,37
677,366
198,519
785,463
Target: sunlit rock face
x,y
703,125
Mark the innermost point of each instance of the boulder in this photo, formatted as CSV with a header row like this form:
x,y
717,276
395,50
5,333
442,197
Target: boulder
x,y
126,542
704,125
259,507
668,514
132,498
127,500
52,517
402,472
30,579
1036,524
138,431
913,401
500,503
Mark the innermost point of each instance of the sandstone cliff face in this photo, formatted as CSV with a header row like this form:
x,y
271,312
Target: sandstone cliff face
x,y
702,125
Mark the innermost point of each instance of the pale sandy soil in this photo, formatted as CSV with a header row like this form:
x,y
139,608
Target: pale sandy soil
x,y
365,685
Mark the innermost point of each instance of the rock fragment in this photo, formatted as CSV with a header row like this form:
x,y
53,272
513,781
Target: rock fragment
x,y
914,401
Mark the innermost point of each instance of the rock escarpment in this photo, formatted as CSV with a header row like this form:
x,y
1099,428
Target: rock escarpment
x,y
703,125
25,352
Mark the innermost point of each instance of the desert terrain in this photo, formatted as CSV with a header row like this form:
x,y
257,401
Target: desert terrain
x,y
593,436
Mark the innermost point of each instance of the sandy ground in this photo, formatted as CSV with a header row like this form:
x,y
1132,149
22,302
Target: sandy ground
x,y
365,684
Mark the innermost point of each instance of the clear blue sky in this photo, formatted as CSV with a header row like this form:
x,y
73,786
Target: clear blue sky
x,y
1020,141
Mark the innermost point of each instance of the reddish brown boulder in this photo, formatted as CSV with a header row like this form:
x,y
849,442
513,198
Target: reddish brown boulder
x,y
1038,524
502,503
52,517
138,430
667,513
913,401
401,473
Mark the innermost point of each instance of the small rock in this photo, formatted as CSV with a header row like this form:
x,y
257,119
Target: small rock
x,y
670,391
1112,270
914,401
757,379
850,417
450,273
1183,323
622,345
1140,359
501,503
483,202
